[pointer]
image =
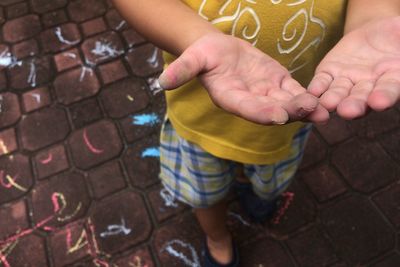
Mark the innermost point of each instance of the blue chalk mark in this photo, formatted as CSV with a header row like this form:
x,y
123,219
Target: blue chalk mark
x,y
151,152
145,119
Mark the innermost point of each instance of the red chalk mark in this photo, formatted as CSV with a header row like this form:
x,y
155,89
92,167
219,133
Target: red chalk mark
x,y
3,260
47,160
55,197
89,145
2,180
287,200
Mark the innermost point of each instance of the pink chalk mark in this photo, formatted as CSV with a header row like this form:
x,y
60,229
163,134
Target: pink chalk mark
x,y
47,160
3,259
89,145
10,183
288,199
54,199
101,262
48,228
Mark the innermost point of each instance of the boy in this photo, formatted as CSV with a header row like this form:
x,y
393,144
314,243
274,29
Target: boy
x,y
253,60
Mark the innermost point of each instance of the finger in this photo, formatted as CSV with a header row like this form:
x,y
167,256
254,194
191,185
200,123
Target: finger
x,y
320,115
386,92
320,83
300,106
258,109
186,67
292,86
337,91
355,105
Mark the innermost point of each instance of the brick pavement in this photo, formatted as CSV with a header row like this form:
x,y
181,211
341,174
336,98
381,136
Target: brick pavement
x,y
78,161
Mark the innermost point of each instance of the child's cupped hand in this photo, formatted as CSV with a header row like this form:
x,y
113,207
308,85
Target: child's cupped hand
x,y
244,81
362,71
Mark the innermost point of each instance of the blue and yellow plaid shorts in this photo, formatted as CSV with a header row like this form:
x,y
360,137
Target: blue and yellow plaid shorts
x,y
200,179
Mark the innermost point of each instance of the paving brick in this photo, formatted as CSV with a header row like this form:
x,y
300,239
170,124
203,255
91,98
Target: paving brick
x,y
125,97
106,179
163,204
389,261
17,10
179,242
84,10
29,251
14,219
21,28
315,151
361,164
2,16
311,248
141,160
94,26
3,80
113,71
119,225
357,230
102,48
60,199
60,38
32,72
265,251
9,2
138,258
51,161
115,21
141,125
15,177
54,18
376,123
36,99
85,112
389,203
8,142
300,212
43,6
9,109
145,60
75,85
43,127
335,131
132,38
391,143
67,59
25,49
95,144
324,183
70,244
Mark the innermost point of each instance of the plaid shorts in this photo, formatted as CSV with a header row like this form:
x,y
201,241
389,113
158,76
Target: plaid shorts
x,y
200,179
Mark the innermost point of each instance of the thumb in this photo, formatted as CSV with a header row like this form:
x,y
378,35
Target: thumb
x,y
186,67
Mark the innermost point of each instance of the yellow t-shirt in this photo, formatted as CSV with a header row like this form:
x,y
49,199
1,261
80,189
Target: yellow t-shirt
x,y
297,33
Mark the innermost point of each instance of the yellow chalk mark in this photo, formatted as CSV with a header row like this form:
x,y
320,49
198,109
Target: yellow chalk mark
x,y
68,217
13,183
130,98
82,242
4,147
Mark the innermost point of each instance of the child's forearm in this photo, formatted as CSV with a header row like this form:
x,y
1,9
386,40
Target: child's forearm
x,y
360,12
169,24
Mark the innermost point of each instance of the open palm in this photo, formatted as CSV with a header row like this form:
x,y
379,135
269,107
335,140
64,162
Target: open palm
x,y
362,71
244,81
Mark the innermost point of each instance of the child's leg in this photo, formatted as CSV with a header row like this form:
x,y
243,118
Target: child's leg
x,y
219,240
202,181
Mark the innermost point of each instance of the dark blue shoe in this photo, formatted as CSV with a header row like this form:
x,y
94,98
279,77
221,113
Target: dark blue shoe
x,y
209,261
258,209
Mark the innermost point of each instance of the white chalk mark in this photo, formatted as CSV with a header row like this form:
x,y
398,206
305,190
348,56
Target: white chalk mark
x,y
104,49
116,229
153,60
36,96
69,54
122,23
195,262
8,60
32,74
62,39
240,218
168,198
154,86
84,71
